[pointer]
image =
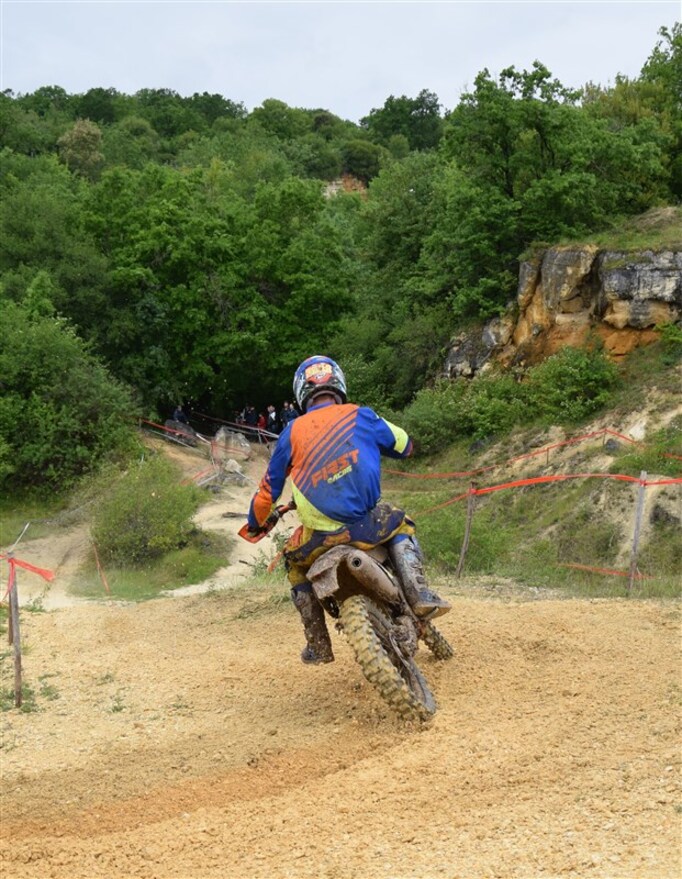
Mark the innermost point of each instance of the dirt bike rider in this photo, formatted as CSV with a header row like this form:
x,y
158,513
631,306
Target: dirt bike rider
x,y
332,453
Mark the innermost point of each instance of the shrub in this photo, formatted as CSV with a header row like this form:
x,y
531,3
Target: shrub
x,y
146,514
436,415
494,405
572,384
61,412
566,387
671,340
477,408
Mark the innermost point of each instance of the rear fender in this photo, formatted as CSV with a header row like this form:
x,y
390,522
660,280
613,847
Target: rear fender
x,y
329,573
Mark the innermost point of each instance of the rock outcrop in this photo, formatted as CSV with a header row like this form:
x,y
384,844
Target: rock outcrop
x,y
565,294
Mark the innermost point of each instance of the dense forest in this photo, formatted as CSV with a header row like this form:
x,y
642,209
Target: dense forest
x,y
184,249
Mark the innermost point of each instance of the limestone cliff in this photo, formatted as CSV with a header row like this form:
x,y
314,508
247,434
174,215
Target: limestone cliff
x,y
566,293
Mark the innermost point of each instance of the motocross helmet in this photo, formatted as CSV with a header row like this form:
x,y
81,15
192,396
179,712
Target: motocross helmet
x,y
318,375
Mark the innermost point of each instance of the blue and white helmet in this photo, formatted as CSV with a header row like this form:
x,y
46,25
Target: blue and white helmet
x,y
318,375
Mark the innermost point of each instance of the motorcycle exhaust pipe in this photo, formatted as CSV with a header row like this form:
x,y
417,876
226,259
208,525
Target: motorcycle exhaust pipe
x,y
373,577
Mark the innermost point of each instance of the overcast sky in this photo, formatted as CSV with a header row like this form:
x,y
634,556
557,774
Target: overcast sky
x,y
347,57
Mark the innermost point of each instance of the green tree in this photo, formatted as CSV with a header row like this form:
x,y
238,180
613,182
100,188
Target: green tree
x,y
214,107
80,148
23,131
362,159
397,328
43,228
417,119
168,113
664,65
663,69
469,255
131,142
61,412
531,164
100,105
280,120
47,99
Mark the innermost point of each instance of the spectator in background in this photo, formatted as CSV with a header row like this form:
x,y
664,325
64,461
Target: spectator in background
x,y
261,424
288,414
273,424
250,416
179,415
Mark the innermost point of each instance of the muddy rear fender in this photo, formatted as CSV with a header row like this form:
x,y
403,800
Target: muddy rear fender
x,y
366,571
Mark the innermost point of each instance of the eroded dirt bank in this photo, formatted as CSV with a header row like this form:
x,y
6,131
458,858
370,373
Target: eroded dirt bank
x,y
187,740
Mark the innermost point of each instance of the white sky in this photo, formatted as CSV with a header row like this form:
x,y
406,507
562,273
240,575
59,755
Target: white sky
x,y
346,56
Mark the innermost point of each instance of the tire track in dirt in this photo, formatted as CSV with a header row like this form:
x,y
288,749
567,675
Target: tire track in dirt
x,y
188,741
555,751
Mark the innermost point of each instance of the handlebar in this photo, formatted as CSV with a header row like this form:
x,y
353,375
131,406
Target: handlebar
x,y
254,536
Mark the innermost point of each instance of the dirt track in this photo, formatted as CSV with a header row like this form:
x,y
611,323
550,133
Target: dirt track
x,y
188,741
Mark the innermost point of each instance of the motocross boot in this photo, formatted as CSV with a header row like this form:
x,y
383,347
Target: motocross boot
x,y
319,646
409,566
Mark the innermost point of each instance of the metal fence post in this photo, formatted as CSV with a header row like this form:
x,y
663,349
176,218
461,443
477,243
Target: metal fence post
x,y
638,527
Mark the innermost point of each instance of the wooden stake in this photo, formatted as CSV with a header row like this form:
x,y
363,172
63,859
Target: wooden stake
x,y
638,526
16,640
471,501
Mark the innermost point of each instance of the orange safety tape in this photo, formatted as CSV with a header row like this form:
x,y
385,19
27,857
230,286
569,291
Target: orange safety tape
x,y
441,506
569,442
198,475
535,454
161,426
539,480
42,572
543,451
273,564
627,439
18,563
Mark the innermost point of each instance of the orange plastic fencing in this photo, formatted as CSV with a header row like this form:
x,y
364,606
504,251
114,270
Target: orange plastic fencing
x,y
14,563
543,480
545,450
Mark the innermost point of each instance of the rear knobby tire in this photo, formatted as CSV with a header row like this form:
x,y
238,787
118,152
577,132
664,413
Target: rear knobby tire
x,y
437,643
399,682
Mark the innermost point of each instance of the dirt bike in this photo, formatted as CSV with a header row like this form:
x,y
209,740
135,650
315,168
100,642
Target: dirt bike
x,y
362,592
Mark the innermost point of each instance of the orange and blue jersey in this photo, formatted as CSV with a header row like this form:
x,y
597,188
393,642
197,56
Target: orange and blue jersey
x,y
332,455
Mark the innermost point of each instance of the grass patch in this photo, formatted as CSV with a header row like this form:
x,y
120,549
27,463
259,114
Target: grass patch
x,y
641,371
533,534
28,699
117,704
653,455
274,602
47,689
658,229
262,593
43,514
661,557
203,555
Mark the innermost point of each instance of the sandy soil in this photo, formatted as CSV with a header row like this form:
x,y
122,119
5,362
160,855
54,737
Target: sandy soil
x,y
183,738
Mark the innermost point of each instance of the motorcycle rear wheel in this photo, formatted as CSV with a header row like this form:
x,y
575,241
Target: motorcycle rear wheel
x,y
396,676
436,642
